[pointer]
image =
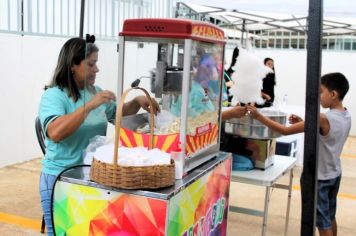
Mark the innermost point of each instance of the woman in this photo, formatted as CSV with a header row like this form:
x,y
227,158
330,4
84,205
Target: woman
x,y
268,84
72,111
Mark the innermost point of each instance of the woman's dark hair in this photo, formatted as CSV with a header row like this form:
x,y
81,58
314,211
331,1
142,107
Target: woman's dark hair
x,y
73,52
235,54
336,81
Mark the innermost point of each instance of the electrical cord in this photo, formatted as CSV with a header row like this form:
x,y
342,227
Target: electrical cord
x,y
52,194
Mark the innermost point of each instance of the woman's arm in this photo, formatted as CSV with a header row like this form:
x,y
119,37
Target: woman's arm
x,y
133,106
66,125
235,112
266,96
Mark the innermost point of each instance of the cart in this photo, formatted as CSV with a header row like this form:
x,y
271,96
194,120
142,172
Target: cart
x,y
180,62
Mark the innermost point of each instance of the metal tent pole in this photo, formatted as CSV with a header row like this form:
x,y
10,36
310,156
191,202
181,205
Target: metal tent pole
x,y
243,30
177,10
81,24
312,110
22,17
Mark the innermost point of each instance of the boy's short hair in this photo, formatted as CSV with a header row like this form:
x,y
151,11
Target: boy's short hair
x,y
336,81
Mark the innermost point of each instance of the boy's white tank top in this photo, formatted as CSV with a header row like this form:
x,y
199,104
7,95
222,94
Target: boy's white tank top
x,y
331,145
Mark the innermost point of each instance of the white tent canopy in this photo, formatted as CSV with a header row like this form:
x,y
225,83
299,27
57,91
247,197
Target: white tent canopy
x,y
331,8
248,20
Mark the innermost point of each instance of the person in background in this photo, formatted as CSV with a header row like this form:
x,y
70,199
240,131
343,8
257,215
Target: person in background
x,y
334,129
72,111
231,143
268,84
235,55
227,97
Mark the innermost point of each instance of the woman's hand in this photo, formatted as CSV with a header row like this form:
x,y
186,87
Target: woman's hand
x,y
238,111
266,96
143,102
235,112
101,98
294,119
253,112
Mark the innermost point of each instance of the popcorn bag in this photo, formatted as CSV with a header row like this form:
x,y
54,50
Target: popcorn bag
x,y
132,168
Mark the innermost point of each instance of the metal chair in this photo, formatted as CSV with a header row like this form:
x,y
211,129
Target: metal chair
x,y
40,139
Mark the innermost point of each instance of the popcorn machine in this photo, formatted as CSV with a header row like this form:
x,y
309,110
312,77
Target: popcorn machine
x,y
180,63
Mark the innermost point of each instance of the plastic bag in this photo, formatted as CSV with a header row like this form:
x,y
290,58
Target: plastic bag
x,y
94,143
133,156
163,120
242,163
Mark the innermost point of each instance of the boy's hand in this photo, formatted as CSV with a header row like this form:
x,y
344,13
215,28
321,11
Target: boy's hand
x,y
252,110
294,119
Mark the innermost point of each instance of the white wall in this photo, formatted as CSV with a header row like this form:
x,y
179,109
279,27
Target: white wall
x,y
27,64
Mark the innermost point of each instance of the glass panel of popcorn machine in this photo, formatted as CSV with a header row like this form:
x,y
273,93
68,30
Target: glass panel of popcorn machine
x,y
204,96
156,65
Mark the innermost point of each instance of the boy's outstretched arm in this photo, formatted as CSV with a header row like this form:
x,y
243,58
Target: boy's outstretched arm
x,y
285,130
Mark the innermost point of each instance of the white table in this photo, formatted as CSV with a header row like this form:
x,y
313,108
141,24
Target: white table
x,y
267,178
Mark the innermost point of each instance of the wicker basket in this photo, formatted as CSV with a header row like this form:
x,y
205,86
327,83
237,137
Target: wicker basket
x,y
132,177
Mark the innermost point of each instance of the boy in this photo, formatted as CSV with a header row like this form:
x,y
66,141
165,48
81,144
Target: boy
x,y
334,129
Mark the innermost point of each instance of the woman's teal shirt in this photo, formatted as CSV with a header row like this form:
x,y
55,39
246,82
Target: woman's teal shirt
x,y
55,102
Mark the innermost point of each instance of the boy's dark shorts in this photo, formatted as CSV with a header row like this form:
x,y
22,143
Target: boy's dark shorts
x,y
326,206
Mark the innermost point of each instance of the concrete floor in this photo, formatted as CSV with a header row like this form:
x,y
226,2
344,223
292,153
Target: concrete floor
x,y
20,211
